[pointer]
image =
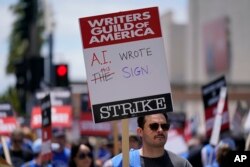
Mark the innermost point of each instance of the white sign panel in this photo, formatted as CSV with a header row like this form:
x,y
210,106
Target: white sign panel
x,y
126,64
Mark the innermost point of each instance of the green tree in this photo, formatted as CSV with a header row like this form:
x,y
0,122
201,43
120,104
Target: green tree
x,y
26,37
11,96
25,40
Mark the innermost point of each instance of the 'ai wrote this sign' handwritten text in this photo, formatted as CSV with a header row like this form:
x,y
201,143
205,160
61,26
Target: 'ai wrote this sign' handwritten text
x,y
126,65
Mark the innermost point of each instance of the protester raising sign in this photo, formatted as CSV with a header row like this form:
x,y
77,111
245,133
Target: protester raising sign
x,y
211,97
126,64
46,129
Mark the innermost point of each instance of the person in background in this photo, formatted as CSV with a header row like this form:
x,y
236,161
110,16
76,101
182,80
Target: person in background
x,y
101,162
37,161
104,153
26,143
28,134
208,156
153,131
20,152
195,145
223,149
81,155
60,153
134,141
221,155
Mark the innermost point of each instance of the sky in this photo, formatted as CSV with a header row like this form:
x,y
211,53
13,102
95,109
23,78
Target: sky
x,y
67,41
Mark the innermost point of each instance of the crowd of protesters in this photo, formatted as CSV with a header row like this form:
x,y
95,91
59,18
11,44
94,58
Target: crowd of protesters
x,y
24,147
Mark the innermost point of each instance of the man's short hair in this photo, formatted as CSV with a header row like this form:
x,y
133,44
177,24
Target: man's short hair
x,y
141,120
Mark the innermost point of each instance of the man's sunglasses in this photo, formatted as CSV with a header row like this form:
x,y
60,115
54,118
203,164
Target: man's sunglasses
x,y
84,155
155,126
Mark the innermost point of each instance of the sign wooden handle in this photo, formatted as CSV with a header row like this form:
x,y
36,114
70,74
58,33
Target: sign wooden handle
x,y
6,150
125,142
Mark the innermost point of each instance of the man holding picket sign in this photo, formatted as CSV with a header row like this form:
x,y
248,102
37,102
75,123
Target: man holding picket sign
x,y
125,61
153,130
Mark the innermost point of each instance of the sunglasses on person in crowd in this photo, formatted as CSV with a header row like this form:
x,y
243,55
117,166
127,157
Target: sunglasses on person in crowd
x,y
155,126
83,155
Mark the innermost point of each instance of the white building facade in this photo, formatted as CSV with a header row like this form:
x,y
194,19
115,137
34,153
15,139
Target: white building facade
x,y
214,42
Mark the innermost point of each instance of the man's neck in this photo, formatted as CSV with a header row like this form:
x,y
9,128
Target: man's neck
x,y
152,152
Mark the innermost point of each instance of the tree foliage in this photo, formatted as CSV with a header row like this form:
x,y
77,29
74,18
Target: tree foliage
x,y
11,97
25,40
27,32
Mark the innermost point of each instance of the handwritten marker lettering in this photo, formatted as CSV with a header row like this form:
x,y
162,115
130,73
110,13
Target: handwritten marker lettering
x,y
100,61
103,75
129,72
135,54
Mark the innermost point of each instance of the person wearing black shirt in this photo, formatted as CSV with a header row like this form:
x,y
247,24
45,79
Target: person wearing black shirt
x,y
19,154
153,131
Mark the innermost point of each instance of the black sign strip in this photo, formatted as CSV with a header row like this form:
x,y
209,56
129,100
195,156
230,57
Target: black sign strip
x,y
46,111
132,107
211,92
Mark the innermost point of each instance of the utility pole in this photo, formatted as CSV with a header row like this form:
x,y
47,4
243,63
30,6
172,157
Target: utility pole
x,y
49,28
33,38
